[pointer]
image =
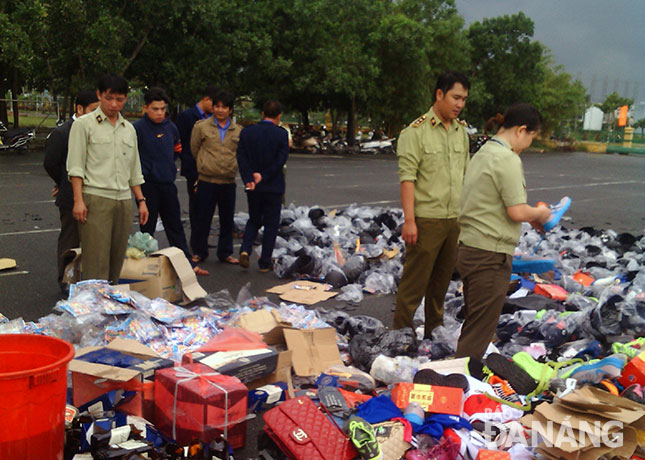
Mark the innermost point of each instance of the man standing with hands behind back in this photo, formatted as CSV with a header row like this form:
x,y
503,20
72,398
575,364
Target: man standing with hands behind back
x,y
433,154
104,168
261,156
55,164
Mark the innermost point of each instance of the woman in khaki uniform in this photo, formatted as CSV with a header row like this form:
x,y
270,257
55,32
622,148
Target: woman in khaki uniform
x,y
493,206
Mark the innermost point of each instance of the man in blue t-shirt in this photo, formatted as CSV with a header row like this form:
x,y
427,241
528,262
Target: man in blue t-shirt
x,y
159,144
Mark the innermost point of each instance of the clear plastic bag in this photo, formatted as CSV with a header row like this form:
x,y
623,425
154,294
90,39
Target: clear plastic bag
x,y
390,370
144,242
380,283
352,293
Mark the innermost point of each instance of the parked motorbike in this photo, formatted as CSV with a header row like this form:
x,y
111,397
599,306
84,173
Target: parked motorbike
x,y
15,139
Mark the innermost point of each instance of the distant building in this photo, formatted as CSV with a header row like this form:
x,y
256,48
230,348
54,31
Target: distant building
x,y
637,111
593,119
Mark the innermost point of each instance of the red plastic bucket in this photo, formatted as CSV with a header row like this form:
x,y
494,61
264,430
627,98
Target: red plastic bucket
x,y
33,386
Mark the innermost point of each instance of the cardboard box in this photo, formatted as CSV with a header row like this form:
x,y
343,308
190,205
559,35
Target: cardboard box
x,y
580,425
485,454
194,402
282,373
90,380
165,273
303,292
246,365
634,371
432,398
269,324
314,350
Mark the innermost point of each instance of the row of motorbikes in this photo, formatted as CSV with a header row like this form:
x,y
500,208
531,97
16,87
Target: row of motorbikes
x,y
309,140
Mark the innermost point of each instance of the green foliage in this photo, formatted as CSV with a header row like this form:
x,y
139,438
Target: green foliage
x,y
376,60
506,64
559,98
640,124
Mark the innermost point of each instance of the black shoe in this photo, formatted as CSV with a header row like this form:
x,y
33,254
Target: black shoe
x,y
517,377
431,377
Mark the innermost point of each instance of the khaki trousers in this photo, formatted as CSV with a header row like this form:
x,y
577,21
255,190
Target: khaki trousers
x,y
104,237
486,277
428,267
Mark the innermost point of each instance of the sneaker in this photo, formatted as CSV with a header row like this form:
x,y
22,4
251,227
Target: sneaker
x,y
431,377
557,211
518,378
594,372
635,393
244,259
362,436
266,269
504,390
631,349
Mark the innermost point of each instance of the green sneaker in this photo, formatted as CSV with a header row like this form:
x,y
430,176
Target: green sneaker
x,y
362,435
631,349
544,372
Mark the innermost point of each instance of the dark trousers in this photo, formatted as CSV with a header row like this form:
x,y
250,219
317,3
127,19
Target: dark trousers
x,y
486,277
67,239
264,210
191,189
210,195
162,201
427,270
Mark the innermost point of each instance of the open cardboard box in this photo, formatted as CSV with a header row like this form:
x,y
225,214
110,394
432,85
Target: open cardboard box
x,y
303,292
91,380
268,323
583,424
165,273
314,350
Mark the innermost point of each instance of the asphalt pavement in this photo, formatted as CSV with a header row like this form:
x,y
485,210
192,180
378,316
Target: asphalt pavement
x,y
608,191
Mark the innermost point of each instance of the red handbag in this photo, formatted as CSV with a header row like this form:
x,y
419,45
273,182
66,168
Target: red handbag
x,y
303,432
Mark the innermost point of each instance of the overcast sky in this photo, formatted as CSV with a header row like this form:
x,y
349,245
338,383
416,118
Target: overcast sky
x,y
601,42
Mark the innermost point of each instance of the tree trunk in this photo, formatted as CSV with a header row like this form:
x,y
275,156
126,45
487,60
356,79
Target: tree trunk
x,y
14,102
351,122
305,118
335,117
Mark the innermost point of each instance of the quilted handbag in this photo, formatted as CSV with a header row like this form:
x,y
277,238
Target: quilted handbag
x,y
303,432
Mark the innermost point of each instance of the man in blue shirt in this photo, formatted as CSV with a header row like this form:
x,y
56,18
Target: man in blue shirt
x,y
261,155
185,122
159,144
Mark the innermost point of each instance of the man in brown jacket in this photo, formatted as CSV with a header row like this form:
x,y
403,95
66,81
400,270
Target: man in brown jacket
x,y
213,143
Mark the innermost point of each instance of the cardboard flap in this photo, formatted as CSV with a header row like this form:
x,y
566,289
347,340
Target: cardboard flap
x,y
7,263
103,371
132,347
267,323
189,285
314,350
302,292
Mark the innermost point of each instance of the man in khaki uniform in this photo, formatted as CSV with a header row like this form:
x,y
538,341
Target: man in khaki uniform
x,y
104,169
433,155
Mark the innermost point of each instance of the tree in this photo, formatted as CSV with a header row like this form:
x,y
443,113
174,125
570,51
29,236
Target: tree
x,y
559,98
611,103
415,42
20,26
506,65
640,124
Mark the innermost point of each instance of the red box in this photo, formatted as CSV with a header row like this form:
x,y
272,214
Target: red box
x,y
485,454
195,402
634,371
432,398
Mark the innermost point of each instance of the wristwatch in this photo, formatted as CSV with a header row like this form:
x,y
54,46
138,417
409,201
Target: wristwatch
x,y
141,199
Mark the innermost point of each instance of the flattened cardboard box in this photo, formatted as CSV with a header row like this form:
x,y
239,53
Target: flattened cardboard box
x,y
314,350
302,292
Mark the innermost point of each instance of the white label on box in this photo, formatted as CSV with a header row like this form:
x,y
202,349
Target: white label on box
x,y
273,392
221,358
120,434
131,444
96,408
